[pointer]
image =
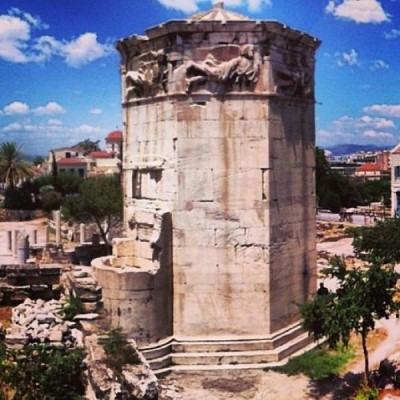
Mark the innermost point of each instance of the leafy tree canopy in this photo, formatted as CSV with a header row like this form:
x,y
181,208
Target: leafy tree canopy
x,y
43,372
335,191
66,183
362,297
99,201
12,168
88,146
381,241
38,160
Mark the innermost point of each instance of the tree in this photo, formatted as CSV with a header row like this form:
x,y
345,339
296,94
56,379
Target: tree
x,y
54,169
348,192
381,241
99,201
88,146
38,160
65,183
18,199
363,296
12,167
40,371
331,201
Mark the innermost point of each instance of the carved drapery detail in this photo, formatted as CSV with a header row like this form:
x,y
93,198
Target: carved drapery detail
x,y
242,70
149,76
152,73
267,67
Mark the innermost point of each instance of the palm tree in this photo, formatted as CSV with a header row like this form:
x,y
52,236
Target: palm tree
x,y
12,168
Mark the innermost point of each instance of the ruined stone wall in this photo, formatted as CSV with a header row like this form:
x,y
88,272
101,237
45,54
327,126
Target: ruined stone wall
x,y
138,302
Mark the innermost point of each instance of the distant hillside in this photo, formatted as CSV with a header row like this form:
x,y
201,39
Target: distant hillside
x,y
344,149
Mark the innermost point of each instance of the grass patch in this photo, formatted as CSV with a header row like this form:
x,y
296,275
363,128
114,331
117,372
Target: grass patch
x,y
318,363
118,350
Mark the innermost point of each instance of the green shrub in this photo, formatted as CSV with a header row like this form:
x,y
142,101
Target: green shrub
x,y
318,363
44,372
51,200
18,199
72,307
118,350
367,393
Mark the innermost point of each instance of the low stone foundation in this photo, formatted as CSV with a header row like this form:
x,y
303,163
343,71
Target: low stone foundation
x,y
136,299
229,353
19,282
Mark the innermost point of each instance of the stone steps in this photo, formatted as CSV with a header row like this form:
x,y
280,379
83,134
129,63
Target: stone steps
x,y
232,355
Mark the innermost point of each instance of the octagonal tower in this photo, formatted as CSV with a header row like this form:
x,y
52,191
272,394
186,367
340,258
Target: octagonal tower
x,y
218,164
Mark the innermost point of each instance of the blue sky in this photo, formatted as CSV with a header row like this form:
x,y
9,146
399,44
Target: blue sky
x,y
60,71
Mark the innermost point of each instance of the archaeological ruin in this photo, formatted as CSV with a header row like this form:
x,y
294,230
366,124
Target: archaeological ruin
x,y
219,191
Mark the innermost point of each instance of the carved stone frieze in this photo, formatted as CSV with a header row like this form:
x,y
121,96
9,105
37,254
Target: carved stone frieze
x,y
294,78
148,76
194,60
242,70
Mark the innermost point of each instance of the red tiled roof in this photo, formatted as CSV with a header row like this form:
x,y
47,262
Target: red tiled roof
x,y
115,135
71,161
100,154
368,167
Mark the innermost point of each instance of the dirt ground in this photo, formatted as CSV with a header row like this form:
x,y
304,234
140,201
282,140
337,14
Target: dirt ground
x,y
236,384
253,385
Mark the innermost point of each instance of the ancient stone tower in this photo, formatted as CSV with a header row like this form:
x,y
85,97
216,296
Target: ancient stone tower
x,y
218,164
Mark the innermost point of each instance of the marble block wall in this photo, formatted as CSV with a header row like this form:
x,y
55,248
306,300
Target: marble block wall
x,y
219,133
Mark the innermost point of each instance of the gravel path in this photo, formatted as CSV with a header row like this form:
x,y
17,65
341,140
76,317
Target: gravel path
x,y
389,348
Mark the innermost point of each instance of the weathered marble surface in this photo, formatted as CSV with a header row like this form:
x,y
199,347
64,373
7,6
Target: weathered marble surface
x,y
219,132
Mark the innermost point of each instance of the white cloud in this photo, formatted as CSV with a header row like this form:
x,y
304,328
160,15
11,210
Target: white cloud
x,y
17,44
190,6
87,129
14,127
359,11
16,108
54,122
350,58
96,111
384,109
379,64
347,123
85,49
393,34
44,48
40,137
377,135
35,21
256,5
376,123
356,130
14,32
328,137
187,6
50,108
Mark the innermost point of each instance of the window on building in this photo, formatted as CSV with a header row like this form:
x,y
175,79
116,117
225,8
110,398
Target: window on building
x,y
397,172
136,184
81,172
